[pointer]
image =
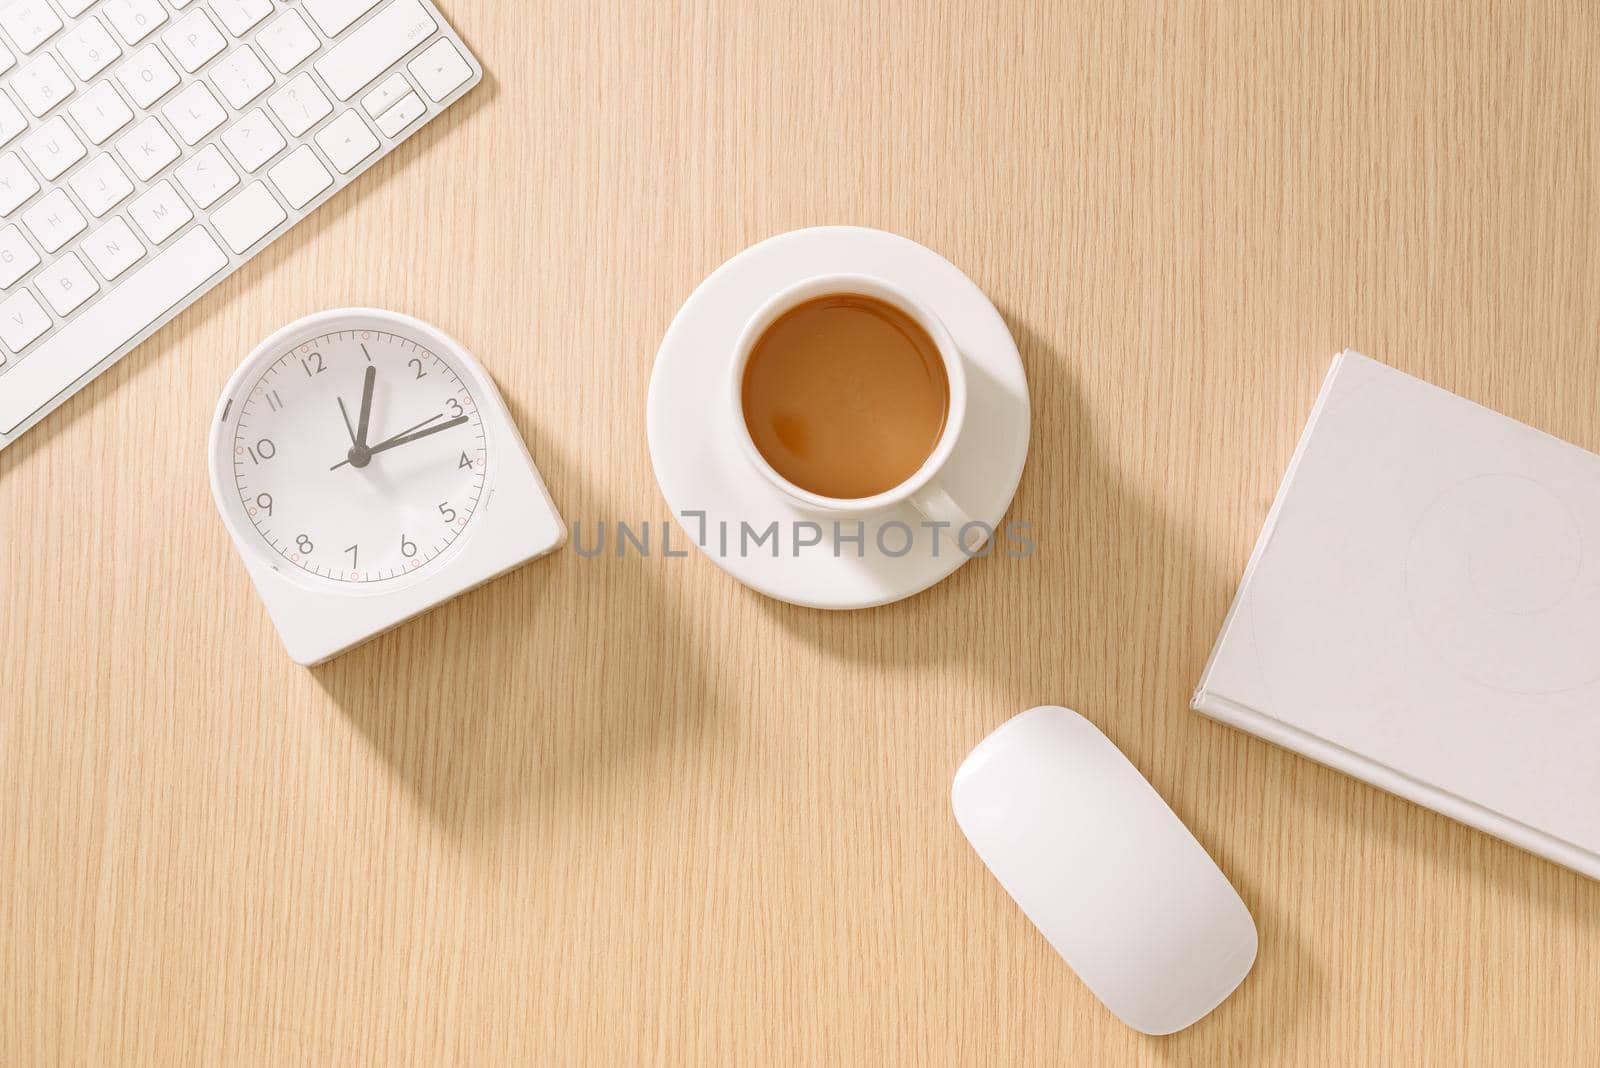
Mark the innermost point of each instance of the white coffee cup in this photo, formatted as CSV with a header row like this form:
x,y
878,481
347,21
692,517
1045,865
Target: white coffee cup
x,y
924,490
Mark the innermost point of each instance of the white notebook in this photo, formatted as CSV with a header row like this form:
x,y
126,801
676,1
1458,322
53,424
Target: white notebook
x,y
1422,611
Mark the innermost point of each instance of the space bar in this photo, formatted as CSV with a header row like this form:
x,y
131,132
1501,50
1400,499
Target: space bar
x,y
146,295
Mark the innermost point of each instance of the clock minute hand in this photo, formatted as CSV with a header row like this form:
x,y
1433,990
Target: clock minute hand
x,y
365,419
360,457
407,437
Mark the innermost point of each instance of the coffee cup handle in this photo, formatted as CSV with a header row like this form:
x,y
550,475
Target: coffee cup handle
x,y
936,505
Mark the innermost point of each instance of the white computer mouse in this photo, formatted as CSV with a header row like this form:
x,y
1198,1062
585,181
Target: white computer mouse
x,y
1104,869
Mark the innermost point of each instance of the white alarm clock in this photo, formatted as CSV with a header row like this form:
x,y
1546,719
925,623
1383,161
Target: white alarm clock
x,y
368,470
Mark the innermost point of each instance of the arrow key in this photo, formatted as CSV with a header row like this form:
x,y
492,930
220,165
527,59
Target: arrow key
x,y
440,69
347,141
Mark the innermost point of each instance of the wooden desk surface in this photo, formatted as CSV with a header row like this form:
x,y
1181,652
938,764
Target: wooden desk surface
x,y
623,811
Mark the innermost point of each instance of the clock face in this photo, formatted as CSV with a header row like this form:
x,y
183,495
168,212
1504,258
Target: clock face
x,y
359,455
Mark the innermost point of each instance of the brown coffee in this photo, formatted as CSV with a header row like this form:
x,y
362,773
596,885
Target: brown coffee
x,y
845,396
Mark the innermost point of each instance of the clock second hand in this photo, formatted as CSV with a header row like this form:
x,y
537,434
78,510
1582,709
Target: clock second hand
x,y
348,428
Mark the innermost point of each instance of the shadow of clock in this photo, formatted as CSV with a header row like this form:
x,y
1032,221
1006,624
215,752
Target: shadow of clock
x,y
537,692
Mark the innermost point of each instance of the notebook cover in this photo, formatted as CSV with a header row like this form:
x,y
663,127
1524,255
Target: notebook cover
x,y
1422,611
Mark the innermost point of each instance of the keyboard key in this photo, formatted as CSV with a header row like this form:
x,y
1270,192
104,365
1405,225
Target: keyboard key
x,y
287,42
253,140
101,185
53,148
248,217
53,221
42,85
7,60
240,15
160,212
336,16
300,105
403,114
300,177
12,121
440,70
17,257
193,41
375,46
100,112
206,176
194,112
241,77
89,49
66,284
135,19
124,313
147,148
347,141
74,8
386,95
22,322
17,183
30,23
113,249
147,76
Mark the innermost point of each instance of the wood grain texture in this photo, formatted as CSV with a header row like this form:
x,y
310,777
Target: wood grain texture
x,y
624,811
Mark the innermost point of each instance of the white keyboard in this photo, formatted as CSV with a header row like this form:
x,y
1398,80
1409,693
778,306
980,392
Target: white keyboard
x,y
149,147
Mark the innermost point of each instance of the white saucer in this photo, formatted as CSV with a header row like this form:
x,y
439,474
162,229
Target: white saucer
x,y
700,468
